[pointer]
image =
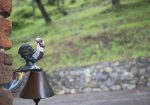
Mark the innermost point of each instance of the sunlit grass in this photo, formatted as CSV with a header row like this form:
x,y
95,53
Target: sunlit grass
x,y
89,34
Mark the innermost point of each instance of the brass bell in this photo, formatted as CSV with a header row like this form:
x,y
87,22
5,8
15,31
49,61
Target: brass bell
x,y
36,87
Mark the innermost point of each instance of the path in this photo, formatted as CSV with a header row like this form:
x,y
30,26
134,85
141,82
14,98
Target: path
x,y
132,97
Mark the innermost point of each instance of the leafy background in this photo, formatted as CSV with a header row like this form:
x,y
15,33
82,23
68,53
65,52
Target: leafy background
x,y
93,31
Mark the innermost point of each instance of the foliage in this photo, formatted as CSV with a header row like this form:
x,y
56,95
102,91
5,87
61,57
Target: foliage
x,y
92,32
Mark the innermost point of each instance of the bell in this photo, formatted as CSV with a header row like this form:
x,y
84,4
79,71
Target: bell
x,y
36,87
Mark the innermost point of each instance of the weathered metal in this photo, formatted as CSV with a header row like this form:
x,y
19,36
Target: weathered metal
x,y
30,55
36,87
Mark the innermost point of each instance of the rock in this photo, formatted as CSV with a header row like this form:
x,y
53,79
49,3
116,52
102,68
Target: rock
x,y
80,83
148,69
92,84
71,80
1,86
142,71
87,79
5,73
116,64
5,7
96,90
108,69
57,77
141,83
8,60
132,62
127,76
115,87
87,90
6,97
5,41
73,91
148,84
108,83
128,86
6,26
143,60
134,81
61,92
2,54
135,71
64,82
67,91
62,74
87,72
115,77
104,88
148,80
102,76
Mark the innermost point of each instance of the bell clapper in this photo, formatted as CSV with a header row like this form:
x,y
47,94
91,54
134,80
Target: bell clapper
x,y
36,101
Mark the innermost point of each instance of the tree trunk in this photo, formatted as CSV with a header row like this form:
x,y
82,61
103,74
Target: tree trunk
x,y
115,2
43,11
33,8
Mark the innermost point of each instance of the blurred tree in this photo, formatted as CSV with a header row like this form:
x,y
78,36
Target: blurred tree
x,y
43,11
60,5
52,2
61,8
33,7
115,2
72,1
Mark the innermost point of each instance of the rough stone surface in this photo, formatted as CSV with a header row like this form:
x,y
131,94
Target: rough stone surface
x,y
6,26
2,55
6,58
1,86
5,41
5,73
6,97
108,76
5,7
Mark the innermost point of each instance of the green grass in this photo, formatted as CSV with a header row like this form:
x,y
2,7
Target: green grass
x,y
92,32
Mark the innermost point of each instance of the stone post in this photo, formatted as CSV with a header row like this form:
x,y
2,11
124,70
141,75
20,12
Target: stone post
x,y
6,71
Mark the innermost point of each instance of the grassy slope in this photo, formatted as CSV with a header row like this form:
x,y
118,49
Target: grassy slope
x,y
93,32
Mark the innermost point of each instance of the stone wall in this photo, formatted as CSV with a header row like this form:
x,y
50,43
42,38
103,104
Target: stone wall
x,y
120,75
6,97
